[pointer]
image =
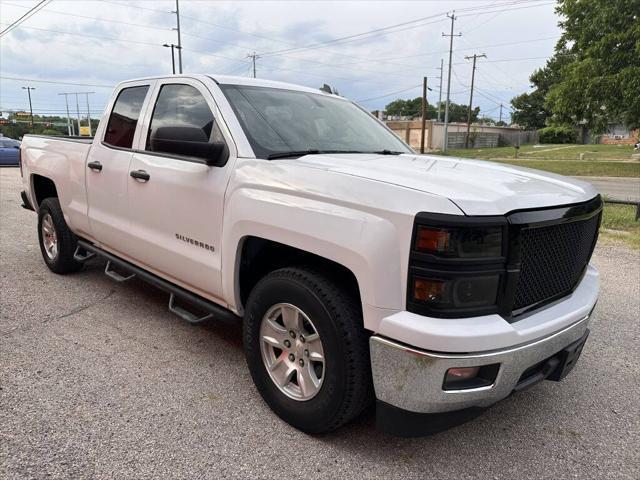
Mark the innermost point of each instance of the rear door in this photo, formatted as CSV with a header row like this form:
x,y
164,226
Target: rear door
x,y
176,208
107,168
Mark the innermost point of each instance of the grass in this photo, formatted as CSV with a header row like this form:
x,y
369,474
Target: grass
x,y
619,225
575,160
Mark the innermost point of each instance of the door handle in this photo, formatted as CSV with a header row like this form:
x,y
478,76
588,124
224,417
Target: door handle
x,y
95,166
140,175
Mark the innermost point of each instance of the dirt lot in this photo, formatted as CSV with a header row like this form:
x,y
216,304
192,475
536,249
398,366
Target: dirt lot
x,y
99,380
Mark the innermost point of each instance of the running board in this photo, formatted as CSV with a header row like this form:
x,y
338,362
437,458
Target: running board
x,y
213,310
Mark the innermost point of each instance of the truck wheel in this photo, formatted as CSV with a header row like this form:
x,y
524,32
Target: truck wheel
x,y
57,243
307,350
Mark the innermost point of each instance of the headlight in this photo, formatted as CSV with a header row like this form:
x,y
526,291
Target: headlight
x,y
457,265
461,242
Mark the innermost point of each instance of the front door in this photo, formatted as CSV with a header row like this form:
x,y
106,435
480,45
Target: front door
x,y
176,200
107,170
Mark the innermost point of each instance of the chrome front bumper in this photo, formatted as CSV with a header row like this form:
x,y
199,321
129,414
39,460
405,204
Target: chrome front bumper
x,y
412,379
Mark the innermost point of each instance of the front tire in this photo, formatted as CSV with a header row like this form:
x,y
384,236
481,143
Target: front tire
x,y
57,242
307,350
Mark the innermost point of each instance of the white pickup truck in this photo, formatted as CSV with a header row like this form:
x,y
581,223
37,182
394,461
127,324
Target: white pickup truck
x,y
361,271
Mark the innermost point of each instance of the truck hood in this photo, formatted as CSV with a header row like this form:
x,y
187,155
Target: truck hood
x,y
477,187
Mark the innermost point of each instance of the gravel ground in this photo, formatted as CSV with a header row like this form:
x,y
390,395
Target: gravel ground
x,y
99,380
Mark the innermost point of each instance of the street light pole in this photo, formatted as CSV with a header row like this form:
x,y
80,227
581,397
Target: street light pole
x,y
173,58
179,46
28,89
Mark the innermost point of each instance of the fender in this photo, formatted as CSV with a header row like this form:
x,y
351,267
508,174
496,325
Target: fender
x,y
63,162
344,235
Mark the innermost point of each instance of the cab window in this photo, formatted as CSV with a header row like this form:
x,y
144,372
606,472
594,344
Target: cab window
x,y
181,114
124,116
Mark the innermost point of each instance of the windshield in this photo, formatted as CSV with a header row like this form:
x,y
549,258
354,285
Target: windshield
x,y
9,142
278,121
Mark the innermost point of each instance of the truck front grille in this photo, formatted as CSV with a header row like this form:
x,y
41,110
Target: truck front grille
x,y
553,259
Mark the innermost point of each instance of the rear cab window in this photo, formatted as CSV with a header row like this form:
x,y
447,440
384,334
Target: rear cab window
x,y
124,117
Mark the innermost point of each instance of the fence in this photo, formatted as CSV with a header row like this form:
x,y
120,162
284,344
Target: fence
x,y
476,140
626,202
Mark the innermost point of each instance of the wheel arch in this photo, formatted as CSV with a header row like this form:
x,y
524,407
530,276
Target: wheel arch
x,y
42,187
257,256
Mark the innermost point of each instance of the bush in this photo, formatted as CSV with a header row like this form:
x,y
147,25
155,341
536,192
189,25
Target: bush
x,y
557,135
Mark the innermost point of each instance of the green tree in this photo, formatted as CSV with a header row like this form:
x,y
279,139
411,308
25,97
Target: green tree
x,y
529,109
602,83
459,113
409,108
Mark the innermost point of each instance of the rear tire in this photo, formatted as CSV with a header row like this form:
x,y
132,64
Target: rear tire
x,y
57,242
332,322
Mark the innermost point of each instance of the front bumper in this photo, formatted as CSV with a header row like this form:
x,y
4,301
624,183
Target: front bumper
x,y
412,380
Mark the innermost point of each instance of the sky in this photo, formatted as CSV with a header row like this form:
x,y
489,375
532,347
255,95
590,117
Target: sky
x,y
91,45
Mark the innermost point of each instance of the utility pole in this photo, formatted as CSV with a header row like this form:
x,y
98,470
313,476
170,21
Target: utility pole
x,y
446,107
424,112
473,75
440,96
89,112
28,89
500,114
66,102
253,58
179,46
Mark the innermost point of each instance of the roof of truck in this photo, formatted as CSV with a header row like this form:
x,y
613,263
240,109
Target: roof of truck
x,y
235,80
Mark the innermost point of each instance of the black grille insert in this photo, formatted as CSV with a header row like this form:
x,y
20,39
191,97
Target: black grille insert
x,y
553,258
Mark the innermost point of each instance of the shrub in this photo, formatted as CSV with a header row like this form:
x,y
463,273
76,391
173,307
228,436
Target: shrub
x,y
557,135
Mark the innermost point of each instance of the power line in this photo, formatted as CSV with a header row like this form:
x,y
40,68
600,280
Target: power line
x,y
388,94
24,17
55,82
87,17
416,23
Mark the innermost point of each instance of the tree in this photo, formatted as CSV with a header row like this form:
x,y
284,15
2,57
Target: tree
x,y
409,108
459,113
529,109
602,82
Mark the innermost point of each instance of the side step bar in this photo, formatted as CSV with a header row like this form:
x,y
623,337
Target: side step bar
x,y
81,255
213,310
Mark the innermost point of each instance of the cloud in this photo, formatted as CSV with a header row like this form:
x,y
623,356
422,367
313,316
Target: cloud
x,y
217,36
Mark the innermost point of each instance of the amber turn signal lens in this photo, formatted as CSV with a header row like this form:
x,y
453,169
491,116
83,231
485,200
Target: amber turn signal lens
x,y
427,290
432,240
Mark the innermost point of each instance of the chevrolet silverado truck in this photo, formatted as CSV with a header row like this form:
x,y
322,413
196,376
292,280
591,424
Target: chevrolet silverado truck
x,y
361,271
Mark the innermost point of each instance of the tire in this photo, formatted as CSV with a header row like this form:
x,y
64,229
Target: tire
x,y
50,219
346,388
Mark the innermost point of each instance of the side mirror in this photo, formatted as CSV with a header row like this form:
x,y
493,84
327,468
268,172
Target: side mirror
x,y
191,142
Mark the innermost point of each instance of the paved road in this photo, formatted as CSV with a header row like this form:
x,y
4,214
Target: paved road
x,y
616,188
98,380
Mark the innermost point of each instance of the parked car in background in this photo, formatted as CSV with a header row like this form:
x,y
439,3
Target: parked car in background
x,y
9,149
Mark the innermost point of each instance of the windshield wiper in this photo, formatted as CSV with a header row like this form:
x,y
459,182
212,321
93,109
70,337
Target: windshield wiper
x,y
315,151
388,152
312,151
293,153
